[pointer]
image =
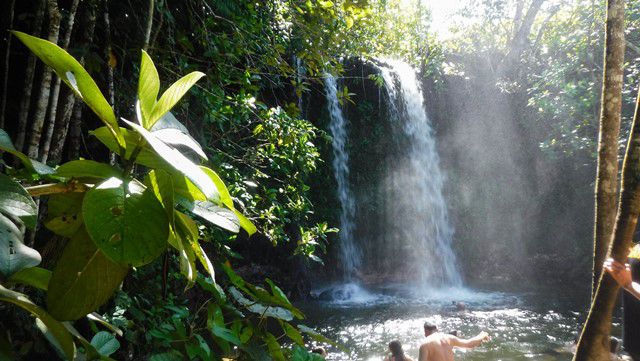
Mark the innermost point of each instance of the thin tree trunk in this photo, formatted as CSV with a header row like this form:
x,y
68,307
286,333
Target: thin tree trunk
x,y
111,60
25,103
3,106
610,114
75,134
517,18
520,39
594,341
45,86
154,37
109,54
53,106
60,135
147,33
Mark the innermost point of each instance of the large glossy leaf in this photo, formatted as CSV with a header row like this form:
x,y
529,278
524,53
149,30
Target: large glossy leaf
x,y
148,87
83,279
188,230
185,189
35,277
64,217
54,328
172,95
87,169
127,223
160,182
14,254
225,198
178,138
219,216
186,236
16,201
178,161
169,121
146,157
76,77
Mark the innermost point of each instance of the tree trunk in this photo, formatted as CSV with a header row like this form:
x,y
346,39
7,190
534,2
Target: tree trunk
x,y
517,18
75,136
5,78
60,135
25,103
147,33
611,105
45,86
55,93
520,39
594,341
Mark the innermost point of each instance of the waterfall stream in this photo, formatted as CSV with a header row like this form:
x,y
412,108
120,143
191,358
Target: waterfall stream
x,y
415,185
415,220
350,254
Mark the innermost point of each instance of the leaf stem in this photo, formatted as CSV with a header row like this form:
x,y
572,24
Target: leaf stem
x,y
55,188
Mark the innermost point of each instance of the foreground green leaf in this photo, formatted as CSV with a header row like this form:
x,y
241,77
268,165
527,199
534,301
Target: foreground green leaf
x,y
225,198
214,214
147,157
105,343
76,77
83,279
127,223
64,216
178,161
54,328
148,87
87,169
172,95
14,254
16,201
35,277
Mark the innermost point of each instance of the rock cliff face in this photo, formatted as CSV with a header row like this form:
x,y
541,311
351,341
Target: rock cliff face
x,y
517,213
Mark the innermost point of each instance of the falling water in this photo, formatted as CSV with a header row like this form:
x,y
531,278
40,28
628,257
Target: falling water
x,y
415,184
350,254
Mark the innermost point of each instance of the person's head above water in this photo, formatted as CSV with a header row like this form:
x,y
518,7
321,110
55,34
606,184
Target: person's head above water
x,y
429,328
396,350
320,351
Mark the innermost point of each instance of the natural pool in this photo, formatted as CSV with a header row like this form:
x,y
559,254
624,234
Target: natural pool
x,y
534,325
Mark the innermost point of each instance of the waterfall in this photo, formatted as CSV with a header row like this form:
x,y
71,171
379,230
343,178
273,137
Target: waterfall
x,y
414,185
350,254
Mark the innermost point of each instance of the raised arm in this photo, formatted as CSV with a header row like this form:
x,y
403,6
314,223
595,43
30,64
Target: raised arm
x,y
622,274
468,343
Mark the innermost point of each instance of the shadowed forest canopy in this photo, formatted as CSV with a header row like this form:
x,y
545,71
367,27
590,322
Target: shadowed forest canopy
x,y
169,182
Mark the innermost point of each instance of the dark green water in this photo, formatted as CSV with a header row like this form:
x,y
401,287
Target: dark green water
x,y
535,325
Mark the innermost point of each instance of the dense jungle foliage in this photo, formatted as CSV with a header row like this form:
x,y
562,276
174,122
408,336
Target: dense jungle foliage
x,y
125,243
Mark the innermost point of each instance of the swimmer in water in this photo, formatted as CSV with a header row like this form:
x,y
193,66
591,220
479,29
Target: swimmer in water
x,y
439,346
397,353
